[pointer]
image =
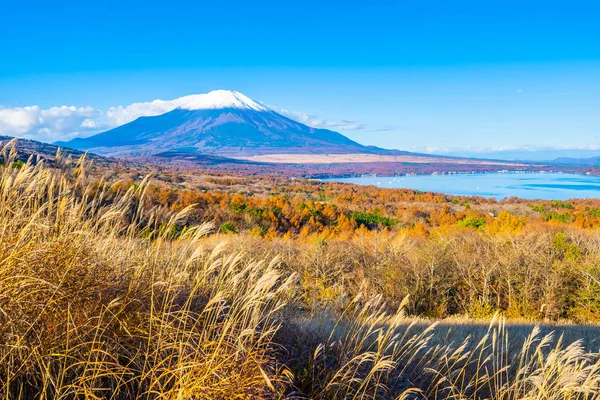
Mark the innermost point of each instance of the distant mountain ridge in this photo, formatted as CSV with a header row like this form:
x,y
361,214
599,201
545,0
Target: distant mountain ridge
x,y
224,123
592,161
528,155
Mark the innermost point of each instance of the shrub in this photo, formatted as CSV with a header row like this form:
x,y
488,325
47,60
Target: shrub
x,y
228,227
562,204
472,222
558,217
371,219
538,208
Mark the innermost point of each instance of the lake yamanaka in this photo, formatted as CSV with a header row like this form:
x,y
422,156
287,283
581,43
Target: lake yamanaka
x,y
546,186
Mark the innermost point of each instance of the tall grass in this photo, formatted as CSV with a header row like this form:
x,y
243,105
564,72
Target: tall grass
x,y
103,298
88,308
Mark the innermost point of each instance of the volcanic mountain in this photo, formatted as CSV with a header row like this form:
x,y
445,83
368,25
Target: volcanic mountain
x,y
224,123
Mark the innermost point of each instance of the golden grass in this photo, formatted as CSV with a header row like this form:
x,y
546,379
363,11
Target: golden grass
x,y
89,309
100,298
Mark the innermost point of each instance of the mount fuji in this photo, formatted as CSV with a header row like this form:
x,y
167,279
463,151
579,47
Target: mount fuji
x,y
224,123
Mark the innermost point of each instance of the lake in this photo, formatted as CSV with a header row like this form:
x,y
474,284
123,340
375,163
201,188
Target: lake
x,y
547,186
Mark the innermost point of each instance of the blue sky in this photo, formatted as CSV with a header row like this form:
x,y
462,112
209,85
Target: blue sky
x,y
430,76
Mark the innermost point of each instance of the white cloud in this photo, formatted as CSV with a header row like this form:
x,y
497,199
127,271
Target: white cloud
x,y
120,115
48,124
18,120
88,123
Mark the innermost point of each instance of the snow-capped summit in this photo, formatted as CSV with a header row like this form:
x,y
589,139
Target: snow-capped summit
x,y
219,99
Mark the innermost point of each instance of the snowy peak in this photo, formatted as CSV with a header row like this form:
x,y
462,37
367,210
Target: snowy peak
x,y
221,122
220,99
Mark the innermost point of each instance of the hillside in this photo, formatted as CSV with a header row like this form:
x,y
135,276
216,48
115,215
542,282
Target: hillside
x,y
26,148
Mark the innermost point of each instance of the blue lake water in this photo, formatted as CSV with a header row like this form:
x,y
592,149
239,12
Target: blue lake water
x,y
547,186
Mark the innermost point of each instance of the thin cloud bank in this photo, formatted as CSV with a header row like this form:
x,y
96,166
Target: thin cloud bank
x,y
519,152
498,149
524,152
67,122
318,122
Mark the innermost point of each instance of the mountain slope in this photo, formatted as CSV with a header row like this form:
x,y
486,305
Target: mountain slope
x,y
221,122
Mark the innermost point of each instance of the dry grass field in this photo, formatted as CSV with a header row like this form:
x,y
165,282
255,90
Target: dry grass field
x,y
103,298
366,158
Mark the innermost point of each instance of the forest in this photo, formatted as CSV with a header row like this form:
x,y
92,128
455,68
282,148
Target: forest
x,y
452,255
